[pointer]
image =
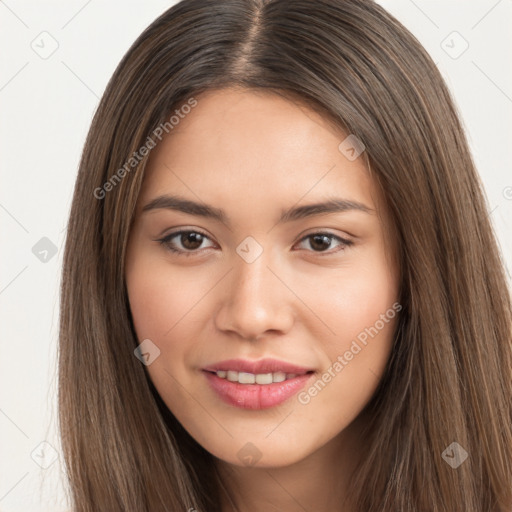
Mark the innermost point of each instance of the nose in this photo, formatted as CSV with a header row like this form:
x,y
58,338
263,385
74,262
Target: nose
x,y
255,302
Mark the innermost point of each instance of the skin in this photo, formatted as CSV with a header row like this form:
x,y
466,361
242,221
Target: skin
x,y
255,154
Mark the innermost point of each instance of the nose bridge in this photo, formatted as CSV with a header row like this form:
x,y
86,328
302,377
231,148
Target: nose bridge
x,y
254,301
252,279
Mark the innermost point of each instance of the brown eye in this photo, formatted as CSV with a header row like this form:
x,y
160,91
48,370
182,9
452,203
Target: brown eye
x,y
191,240
322,242
185,242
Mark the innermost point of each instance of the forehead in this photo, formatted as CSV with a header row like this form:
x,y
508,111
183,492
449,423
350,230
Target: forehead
x,y
245,145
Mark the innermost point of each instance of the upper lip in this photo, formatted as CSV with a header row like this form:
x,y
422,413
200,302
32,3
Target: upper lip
x,y
267,365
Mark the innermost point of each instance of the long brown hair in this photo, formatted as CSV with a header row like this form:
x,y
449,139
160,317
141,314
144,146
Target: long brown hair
x,y
449,378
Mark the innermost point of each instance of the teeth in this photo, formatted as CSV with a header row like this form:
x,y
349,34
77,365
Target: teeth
x,y
278,377
251,378
232,376
246,378
263,378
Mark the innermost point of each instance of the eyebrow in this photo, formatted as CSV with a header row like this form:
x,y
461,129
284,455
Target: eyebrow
x,y
334,205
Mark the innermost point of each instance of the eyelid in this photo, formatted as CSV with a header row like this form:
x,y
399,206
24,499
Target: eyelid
x,y
325,231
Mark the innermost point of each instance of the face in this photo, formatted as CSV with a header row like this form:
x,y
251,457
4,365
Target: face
x,y
227,260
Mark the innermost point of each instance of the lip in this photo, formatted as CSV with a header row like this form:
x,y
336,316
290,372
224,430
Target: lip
x,y
267,365
257,396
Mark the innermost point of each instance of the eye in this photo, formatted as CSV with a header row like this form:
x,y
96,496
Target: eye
x,y
185,242
322,242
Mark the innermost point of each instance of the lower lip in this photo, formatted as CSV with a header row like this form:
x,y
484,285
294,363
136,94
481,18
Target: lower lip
x,y
256,396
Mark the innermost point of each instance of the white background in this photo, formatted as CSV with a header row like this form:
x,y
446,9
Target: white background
x,y
46,106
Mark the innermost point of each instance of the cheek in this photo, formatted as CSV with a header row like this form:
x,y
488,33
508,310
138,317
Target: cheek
x,y
360,308
355,299
161,300
163,305
152,304
169,306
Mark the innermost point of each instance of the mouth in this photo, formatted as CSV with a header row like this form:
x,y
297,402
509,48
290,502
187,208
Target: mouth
x,y
256,384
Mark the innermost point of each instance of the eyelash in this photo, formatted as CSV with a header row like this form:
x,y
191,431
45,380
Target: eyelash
x,y
166,242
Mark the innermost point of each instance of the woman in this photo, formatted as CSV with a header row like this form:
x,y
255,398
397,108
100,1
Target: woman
x,y
287,294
